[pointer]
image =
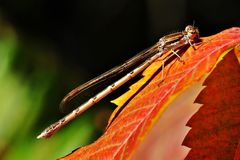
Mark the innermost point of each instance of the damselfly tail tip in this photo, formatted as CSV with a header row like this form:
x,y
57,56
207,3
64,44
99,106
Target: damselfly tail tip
x,y
52,129
45,134
40,136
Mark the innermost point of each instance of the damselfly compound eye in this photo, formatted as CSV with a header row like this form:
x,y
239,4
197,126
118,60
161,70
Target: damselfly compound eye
x,y
192,32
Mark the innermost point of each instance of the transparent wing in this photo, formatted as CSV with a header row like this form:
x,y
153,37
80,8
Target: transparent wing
x,y
140,57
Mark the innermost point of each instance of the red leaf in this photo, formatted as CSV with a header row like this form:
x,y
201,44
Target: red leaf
x,y
133,124
237,153
215,129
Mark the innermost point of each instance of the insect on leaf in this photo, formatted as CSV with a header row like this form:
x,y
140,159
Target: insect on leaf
x,y
146,101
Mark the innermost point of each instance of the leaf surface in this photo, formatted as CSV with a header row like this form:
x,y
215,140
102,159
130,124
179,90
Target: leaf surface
x,y
146,100
215,129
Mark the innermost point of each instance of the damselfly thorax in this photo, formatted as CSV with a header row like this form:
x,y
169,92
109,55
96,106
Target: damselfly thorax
x,y
172,43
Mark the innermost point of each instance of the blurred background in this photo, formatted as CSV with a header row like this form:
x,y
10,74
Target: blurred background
x,y
49,47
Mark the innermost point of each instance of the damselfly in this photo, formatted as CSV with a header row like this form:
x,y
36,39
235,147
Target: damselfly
x,y
172,43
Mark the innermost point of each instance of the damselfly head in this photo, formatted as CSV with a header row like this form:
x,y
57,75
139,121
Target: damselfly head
x,y
192,32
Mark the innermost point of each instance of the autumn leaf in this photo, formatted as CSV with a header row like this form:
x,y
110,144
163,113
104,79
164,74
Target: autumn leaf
x,y
237,153
145,102
215,132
